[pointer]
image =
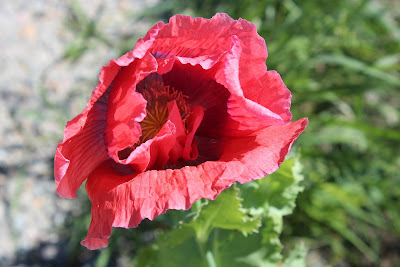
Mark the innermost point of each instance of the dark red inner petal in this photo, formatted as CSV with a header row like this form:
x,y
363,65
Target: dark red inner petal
x,y
124,154
201,112
200,87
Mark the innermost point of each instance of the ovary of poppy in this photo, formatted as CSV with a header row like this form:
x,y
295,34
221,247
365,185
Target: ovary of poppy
x,y
186,113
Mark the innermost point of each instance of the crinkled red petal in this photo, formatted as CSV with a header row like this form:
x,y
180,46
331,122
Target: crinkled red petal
x,y
125,200
269,91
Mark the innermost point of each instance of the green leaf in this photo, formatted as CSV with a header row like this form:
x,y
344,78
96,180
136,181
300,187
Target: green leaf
x,y
174,249
276,193
187,245
270,237
225,213
232,249
272,198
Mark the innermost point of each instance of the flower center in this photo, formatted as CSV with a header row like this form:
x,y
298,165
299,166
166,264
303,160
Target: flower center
x,y
157,96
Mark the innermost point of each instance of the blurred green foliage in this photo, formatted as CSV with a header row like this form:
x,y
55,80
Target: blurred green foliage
x,y
85,30
341,60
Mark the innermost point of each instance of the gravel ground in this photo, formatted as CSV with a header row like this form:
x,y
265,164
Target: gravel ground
x,y
40,91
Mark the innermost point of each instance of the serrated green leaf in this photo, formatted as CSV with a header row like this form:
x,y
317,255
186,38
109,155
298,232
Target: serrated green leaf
x,y
271,231
231,249
272,198
226,213
276,193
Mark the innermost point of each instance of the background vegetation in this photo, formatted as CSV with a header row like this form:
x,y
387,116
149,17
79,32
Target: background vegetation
x,y
341,60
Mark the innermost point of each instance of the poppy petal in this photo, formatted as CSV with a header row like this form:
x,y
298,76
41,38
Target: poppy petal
x,y
126,107
203,41
153,152
245,115
124,200
269,91
262,152
77,156
156,152
83,135
193,122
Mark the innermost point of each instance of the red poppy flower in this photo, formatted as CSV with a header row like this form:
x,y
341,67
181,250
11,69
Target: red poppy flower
x,y
189,111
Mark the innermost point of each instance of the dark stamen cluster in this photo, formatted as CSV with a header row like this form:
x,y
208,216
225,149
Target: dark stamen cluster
x,y
157,96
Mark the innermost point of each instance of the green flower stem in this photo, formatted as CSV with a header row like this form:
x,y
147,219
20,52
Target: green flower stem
x,y
201,246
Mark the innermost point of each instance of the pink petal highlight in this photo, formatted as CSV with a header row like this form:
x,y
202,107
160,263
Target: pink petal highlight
x,y
180,136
